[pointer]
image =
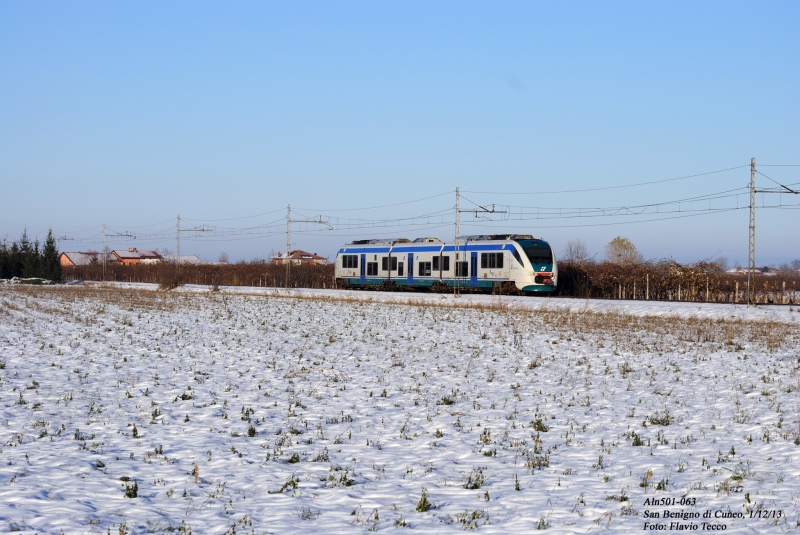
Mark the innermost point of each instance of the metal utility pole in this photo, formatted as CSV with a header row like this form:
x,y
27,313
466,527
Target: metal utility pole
x,y
751,267
479,210
289,222
288,241
456,289
178,247
751,259
178,230
105,247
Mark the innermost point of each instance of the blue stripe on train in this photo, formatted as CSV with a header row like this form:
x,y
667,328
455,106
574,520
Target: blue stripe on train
x,y
428,249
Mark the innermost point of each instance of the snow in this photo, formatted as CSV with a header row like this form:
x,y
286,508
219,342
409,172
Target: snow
x,y
682,309
360,400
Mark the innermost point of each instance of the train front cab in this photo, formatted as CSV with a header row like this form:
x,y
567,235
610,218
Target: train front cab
x,y
542,277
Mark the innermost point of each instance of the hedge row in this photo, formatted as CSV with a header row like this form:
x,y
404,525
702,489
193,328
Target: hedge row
x,y
664,280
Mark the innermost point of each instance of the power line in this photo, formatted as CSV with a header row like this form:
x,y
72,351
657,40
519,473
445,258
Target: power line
x,y
389,232
624,215
149,225
376,207
637,221
236,218
551,212
608,187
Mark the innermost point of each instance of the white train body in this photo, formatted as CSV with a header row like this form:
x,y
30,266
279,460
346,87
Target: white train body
x,y
508,262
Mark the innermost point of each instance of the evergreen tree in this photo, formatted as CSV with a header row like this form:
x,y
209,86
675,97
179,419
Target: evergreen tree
x,y
29,260
14,261
3,260
50,263
37,258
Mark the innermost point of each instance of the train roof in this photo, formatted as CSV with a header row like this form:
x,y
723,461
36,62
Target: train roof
x,y
498,237
380,241
474,237
405,244
391,241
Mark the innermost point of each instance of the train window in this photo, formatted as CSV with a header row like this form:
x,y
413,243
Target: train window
x,y
539,255
400,269
462,269
441,263
516,255
350,261
385,263
372,269
424,269
492,260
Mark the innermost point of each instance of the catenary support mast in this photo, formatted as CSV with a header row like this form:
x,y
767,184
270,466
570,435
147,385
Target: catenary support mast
x,y
751,262
456,272
288,241
751,258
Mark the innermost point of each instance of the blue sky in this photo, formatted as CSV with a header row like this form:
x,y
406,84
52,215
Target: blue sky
x,y
130,113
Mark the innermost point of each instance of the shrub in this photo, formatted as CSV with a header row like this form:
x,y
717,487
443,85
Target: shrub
x,y
424,504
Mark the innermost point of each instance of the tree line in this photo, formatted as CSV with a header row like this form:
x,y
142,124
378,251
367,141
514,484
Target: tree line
x,y
28,259
168,275
625,274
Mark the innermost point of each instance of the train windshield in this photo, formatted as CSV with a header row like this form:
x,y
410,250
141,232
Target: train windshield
x,y
538,253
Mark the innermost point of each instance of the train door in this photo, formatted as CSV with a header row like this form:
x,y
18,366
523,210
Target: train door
x,y
473,269
410,269
363,269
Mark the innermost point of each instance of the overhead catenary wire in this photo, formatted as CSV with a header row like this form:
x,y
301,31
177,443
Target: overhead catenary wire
x,y
429,220
778,183
380,206
277,232
424,220
637,184
629,222
237,218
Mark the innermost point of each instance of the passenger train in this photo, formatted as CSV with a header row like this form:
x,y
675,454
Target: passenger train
x,y
498,263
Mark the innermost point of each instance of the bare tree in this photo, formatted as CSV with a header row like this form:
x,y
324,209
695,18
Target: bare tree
x,y
575,251
622,251
223,258
722,263
795,264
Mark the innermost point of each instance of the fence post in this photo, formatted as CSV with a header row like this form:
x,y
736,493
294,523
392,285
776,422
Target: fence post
x,y
783,293
706,288
679,292
736,295
634,290
647,293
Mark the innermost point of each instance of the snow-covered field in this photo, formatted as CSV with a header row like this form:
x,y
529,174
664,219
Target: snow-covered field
x,y
136,411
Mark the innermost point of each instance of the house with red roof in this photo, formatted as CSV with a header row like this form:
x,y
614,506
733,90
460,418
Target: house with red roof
x,y
134,256
298,257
